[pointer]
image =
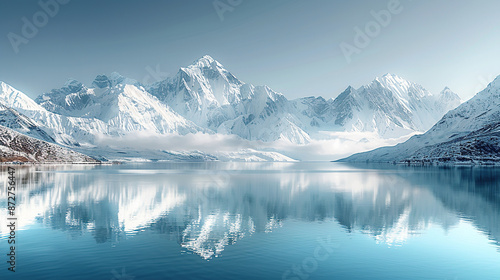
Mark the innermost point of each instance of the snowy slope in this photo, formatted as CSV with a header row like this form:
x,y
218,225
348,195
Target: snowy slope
x,y
62,129
112,111
121,103
114,107
467,133
210,96
267,116
18,147
479,146
13,98
12,119
205,97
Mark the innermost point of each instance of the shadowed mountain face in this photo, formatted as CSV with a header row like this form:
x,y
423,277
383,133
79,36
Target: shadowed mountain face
x,y
18,147
207,207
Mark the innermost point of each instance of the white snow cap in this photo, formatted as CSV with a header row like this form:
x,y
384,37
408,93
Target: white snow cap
x,y
115,78
205,61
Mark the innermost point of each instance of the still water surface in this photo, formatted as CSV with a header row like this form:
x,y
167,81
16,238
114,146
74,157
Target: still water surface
x,y
254,221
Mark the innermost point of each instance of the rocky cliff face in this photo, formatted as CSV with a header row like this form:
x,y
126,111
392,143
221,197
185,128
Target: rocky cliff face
x,y
18,147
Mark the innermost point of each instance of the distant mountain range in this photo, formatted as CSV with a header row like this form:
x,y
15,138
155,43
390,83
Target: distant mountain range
x,y
206,98
467,134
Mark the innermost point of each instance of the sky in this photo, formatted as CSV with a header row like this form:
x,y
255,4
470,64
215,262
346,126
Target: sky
x,y
297,47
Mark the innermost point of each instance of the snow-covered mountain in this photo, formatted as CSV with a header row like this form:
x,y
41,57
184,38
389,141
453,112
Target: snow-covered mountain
x,y
63,129
210,96
447,100
122,104
13,98
114,107
203,92
204,97
266,116
389,106
12,119
469,133
15,146
81,115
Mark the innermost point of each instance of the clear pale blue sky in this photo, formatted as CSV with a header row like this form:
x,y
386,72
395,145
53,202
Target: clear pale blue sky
x,y
290,45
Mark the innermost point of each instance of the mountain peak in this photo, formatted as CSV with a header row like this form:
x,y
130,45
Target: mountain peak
x,y
115,78
71,81
206,61
349,88
447,96
448,92
398,86
101,81
390,75
348,91
391,78
207,58
73,85
13,98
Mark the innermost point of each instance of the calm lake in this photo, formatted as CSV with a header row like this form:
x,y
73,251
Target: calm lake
x,y
253,221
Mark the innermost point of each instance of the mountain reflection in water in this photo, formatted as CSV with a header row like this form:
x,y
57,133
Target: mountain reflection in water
x,y
206,207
